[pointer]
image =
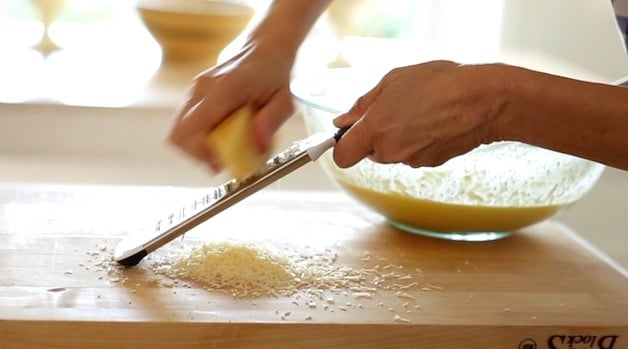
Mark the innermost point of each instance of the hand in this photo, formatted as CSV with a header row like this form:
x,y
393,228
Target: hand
x,y
256,76
423,115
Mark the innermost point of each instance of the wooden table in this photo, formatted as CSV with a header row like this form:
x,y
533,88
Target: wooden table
x,y
539,288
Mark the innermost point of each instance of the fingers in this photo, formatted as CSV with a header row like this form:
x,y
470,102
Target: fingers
x,y
355,145
201,85
357,142
269,118
384,137
198,115
437,154
205,108
210,102
194,145
375,132
403,119
189,135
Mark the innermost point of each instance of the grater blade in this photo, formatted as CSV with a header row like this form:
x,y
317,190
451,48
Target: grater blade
x,y
132,249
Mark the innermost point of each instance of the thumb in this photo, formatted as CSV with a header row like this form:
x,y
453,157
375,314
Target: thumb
x,y
355,145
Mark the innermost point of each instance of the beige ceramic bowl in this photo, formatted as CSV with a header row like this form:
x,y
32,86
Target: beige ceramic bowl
x,y
483,195
194,30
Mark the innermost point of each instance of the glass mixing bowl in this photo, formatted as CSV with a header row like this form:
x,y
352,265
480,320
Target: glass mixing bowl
x,y
483,195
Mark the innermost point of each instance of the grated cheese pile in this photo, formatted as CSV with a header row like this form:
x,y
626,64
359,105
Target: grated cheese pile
x,y
315,280
247,270
241,269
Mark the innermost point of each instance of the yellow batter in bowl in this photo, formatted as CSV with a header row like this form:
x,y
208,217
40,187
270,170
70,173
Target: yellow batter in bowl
x,y
485,194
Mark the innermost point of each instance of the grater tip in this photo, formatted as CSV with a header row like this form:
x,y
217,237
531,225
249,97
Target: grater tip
x,y
132,260
129,252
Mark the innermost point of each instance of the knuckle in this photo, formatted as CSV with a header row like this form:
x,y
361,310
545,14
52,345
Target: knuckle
x,y
360,104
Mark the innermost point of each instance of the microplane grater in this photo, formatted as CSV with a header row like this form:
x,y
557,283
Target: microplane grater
x,y
132,249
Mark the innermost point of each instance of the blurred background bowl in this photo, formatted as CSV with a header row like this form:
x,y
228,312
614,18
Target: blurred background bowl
x,y
194,31
483,195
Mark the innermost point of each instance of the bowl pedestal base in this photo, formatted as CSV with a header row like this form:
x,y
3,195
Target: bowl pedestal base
x,y
480,236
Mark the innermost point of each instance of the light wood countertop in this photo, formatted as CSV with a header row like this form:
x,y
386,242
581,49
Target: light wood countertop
x,y
540,284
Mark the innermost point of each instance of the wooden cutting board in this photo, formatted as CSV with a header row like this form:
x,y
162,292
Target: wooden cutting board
x,y
539,288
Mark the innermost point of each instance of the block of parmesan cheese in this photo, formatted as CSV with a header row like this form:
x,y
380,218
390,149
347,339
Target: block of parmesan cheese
x,y
231,141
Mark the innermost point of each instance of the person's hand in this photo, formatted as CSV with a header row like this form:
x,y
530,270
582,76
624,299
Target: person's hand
x,y
423,115
255,76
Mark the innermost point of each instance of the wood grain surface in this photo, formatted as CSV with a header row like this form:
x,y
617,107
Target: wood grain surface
x,y
539,288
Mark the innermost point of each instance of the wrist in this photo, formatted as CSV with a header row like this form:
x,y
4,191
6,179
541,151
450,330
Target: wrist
x,y
513,92
275,45
285,27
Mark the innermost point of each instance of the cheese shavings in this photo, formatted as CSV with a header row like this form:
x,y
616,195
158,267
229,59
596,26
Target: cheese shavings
x,y
240,269
249,270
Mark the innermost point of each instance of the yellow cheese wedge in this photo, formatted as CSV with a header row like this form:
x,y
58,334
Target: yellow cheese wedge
x,y
231,141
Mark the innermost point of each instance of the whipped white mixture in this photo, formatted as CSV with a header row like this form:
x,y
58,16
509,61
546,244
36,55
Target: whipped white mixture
x,y
509,174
